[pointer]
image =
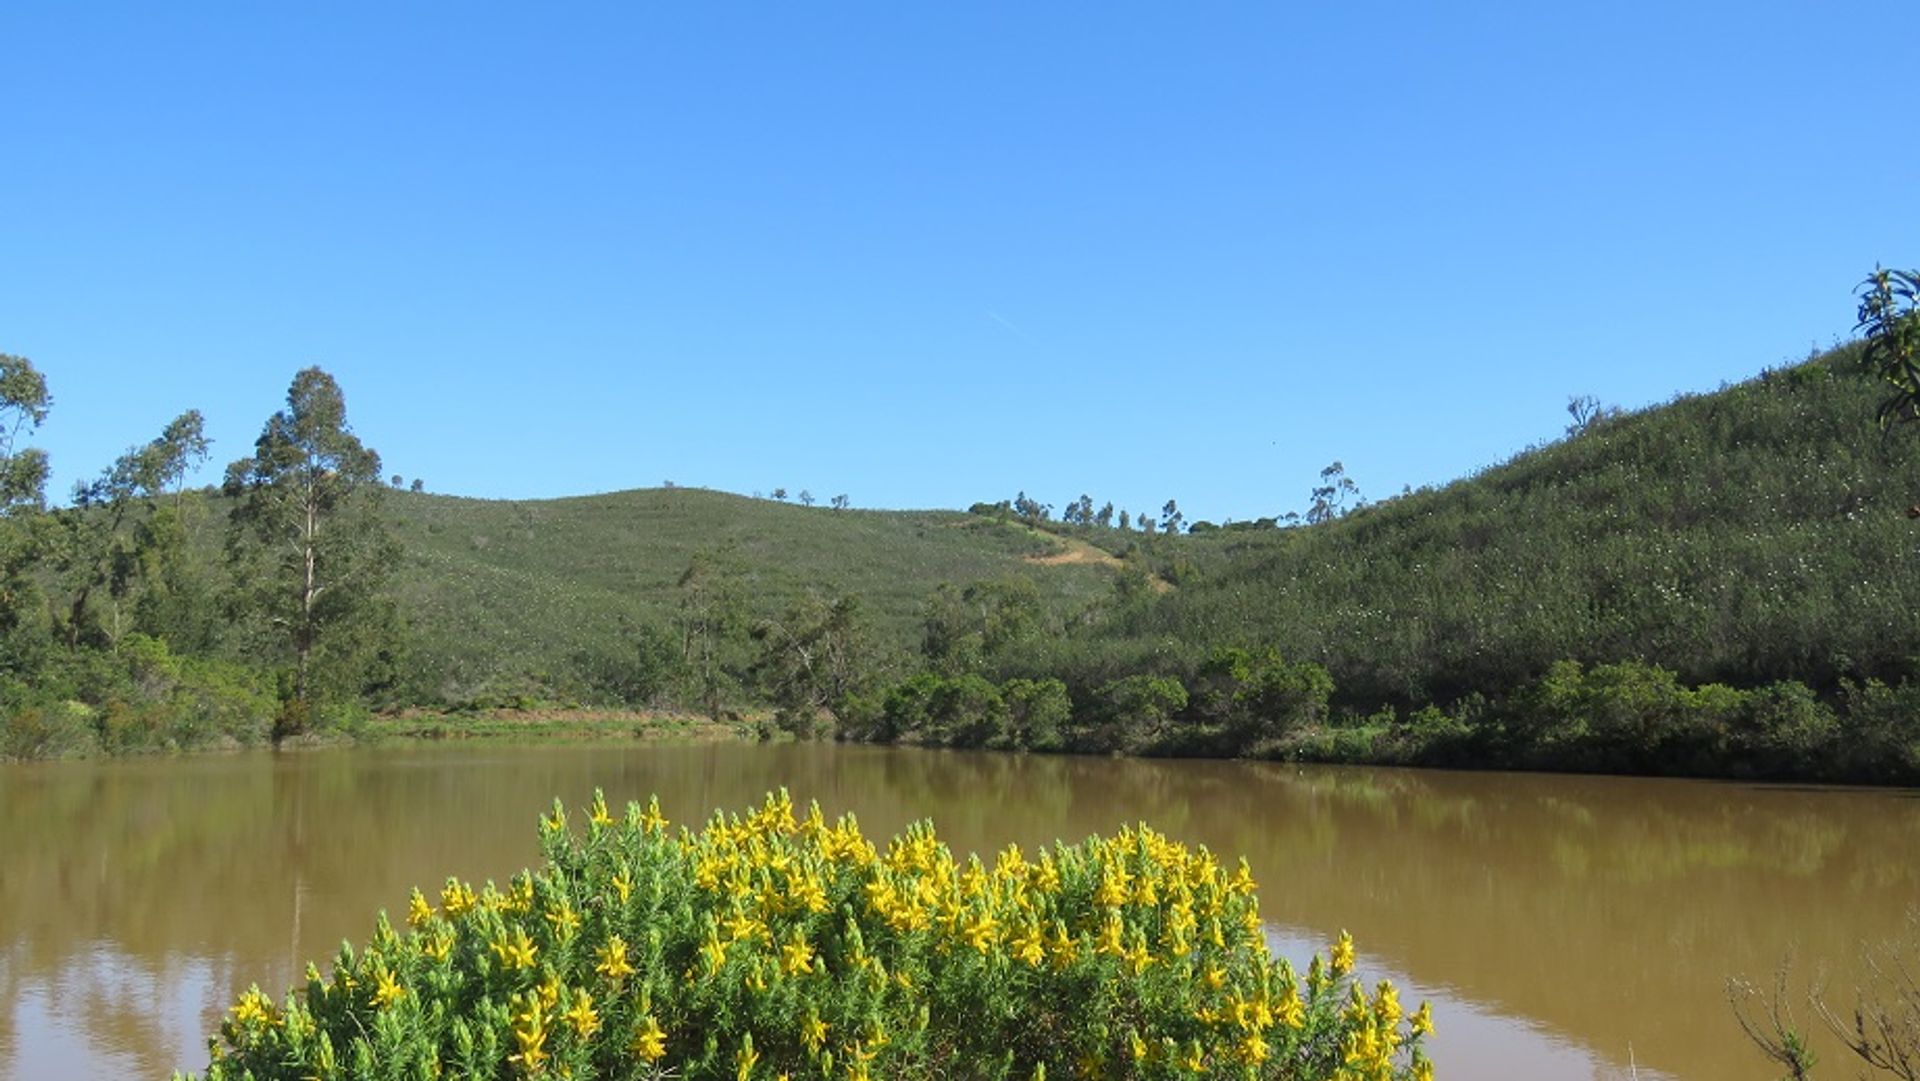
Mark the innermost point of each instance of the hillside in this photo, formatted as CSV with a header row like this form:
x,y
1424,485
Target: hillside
x,y
1752,534
501,592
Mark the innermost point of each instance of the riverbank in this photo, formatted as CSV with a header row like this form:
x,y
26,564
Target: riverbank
x,y
76,732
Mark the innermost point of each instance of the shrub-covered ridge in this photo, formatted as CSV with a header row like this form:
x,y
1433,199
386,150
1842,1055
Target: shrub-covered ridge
x,y
770,946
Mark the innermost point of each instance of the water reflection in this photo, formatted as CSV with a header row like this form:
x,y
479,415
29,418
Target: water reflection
x,y
1568,927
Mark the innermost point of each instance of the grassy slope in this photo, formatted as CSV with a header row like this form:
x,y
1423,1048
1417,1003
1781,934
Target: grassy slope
x,y
1746,535
519,587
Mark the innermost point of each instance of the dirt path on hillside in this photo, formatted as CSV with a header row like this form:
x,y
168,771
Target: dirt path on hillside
x,y
1072,551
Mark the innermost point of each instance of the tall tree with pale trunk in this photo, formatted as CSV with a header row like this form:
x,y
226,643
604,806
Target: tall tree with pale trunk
x,y
307,538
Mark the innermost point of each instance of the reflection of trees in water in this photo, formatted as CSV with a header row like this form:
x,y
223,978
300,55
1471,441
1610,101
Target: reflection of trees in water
x,y
1498,885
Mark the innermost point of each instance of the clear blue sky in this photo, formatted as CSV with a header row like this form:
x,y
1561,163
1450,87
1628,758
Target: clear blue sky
x,y
928,254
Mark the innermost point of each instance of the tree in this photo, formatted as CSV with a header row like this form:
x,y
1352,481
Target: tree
x,y
1126,521
840,502
1170,517
307,535
806,498
1890,319
712,612
96,541
1104,518
1330,498
1586,411
780,494
419,485
814,657
24,403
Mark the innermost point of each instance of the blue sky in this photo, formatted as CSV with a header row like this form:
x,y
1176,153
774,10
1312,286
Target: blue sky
x,y
931,254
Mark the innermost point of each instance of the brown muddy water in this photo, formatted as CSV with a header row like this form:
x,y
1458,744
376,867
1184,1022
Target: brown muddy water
x,y
1563,927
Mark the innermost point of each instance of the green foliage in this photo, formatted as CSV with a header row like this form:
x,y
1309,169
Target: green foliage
x,y
1890,324
310,545
1778,550
1039,713
1131,714
636,667
768,945
816,657
967,629
1257,696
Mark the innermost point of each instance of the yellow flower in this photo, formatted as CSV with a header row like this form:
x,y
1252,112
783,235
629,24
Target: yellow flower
x,y
613,959
744,1059
623,886
457,897
1342,955
1215,977
1046,877
813,1032
650,1042
599,815
419,912
796,956
742,927
437,945
564,919
1421,1023
1060,946
1110,937
1242,881
253,1008
1386,1004
387,990
983,932
1195,1060
585,1021
517,951
714,953
1030,947
530,1036
1145,894
1252,1050
651,821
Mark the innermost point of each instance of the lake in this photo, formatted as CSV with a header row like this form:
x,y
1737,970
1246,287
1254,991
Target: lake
x,y
1563,927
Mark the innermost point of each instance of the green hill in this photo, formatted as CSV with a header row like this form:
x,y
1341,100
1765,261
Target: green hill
x,y
1747,535
520,592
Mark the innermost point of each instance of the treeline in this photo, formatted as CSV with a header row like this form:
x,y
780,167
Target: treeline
x,y
1630,717
119,634
978,682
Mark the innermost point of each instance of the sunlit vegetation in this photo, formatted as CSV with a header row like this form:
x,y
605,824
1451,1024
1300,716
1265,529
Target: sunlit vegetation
x,y
1717,586
771,945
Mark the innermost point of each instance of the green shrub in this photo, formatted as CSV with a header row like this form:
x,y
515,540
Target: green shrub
x,y
1038,713
1131,713
769,946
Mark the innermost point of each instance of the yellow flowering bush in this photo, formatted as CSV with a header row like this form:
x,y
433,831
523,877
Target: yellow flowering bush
x,y
775,946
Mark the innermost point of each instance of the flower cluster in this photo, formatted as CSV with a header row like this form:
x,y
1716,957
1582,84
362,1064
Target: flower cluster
x,y
775,946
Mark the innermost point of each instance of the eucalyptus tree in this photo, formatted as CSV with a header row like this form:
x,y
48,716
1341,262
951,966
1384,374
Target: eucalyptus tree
x,y
107,538
307,536
24,403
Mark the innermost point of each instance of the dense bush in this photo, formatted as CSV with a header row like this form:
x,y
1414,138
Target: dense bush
x,y
769,946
